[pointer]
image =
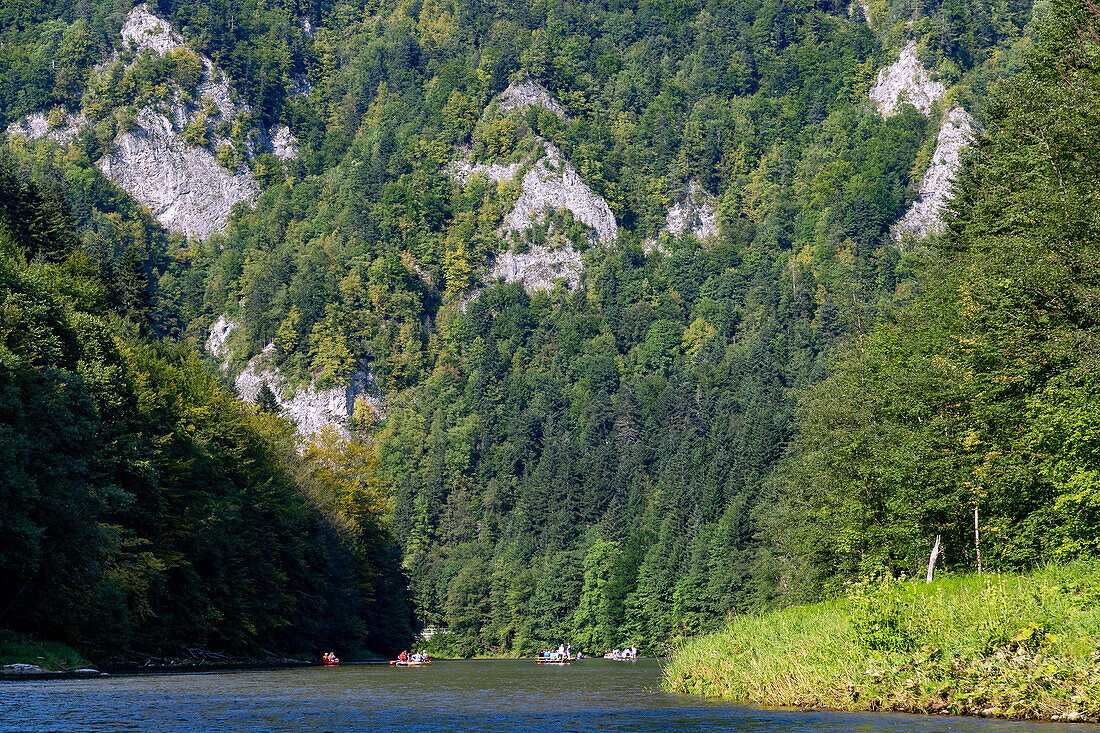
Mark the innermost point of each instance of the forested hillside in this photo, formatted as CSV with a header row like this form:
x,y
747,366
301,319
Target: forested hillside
x,y
594,461
143,509
972,412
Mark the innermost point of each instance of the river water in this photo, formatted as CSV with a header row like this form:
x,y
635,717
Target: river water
x,y
447,697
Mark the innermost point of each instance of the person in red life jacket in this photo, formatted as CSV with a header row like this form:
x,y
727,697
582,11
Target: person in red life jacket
x,y
403,656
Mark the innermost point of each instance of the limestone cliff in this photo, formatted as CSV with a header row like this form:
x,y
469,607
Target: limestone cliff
x,y
549,183
183,185
905,80
311,408
692,213
552,183
923,217
528,93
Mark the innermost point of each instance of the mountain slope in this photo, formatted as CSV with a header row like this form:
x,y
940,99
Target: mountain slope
x,y
587,452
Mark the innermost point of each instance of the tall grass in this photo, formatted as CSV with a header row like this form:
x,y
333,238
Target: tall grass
x,y
995,645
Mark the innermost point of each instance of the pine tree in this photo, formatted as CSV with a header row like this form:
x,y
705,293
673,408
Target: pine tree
x,y
266,401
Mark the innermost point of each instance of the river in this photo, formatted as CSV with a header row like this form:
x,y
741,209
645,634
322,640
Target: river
x,y
447,697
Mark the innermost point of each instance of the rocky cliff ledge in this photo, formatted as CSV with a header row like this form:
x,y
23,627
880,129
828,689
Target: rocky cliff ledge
x,y
905,80
923,217
692,213
528,93
311,408
183,185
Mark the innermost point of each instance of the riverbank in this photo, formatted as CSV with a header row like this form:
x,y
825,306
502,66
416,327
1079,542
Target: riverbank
x,y
1019,647
24,657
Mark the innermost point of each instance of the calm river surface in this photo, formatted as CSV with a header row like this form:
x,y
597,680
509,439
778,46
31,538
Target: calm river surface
x,y
509,696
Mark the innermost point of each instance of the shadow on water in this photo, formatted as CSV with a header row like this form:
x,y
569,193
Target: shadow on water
x,y
447,697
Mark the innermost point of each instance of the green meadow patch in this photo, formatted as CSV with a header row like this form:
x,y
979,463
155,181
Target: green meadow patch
x,y
1022,647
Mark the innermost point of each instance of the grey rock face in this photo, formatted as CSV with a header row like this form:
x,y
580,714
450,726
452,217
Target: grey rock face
x,y
906,80
219,334
464,171
529,93
540,268
36,125
181,184
553,183
143,30
694,213
923,217
312,409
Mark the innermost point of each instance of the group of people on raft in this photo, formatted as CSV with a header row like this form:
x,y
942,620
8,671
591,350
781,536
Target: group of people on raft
x,y
563,652
329,658
620,654
415,658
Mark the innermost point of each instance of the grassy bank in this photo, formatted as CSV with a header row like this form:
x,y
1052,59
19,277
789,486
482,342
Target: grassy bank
x,y
1025,647
50,655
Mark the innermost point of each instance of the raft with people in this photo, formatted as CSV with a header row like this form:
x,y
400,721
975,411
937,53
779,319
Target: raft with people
x,y
404,659
328,659
562,655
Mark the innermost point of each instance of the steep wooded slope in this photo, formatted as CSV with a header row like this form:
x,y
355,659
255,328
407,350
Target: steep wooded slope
x,y
588,458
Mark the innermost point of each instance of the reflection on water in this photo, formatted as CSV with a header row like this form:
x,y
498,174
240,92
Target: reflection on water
x,y
493,696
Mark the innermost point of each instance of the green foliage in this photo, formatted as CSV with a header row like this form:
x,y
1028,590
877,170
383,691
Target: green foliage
x,y
978,394
998,646
528,435
144,507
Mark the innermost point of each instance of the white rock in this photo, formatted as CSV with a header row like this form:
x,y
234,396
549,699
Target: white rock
x,y
906,80
540,268
283,144
463,171
550,184
182,185
36,125
553,183
312,409
694,214
219,334
528,93
22,668
144,31
923,217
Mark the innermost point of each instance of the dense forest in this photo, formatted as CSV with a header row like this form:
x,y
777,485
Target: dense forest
x,y
142,506
698,429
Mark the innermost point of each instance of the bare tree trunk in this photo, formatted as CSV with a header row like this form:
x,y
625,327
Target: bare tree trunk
x,y
977,546
932,560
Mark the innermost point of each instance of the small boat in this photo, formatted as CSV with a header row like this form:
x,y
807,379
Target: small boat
x,y
554,660
329,661
410,663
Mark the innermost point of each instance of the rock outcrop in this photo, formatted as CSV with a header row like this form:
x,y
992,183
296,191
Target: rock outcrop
x,y
183,185
528,93
219,335
692,214
552,183
540,268
36,125
923,217
311,408
905,80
